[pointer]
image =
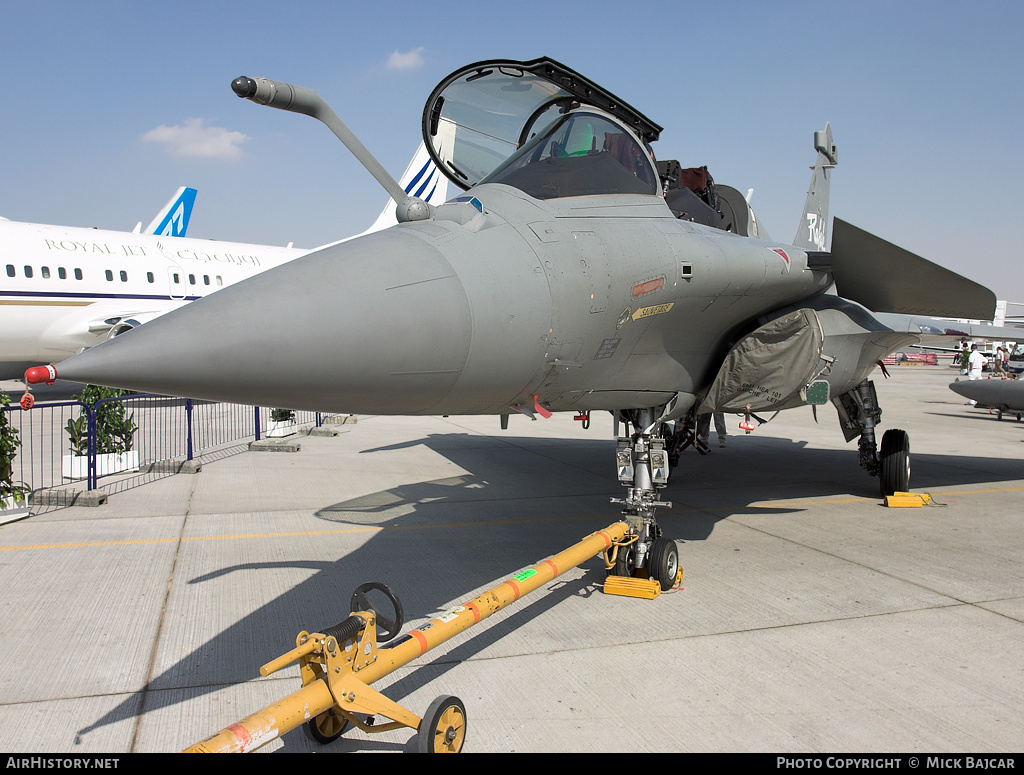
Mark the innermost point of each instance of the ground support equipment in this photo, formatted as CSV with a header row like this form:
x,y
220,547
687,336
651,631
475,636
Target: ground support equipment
x,y
339,665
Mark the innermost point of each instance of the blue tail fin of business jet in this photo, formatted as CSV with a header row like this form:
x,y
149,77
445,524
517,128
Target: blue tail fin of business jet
x,y
172,220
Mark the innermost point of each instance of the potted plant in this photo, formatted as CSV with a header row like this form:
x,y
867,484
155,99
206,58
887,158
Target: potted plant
x,y
282,423
115,434
13,496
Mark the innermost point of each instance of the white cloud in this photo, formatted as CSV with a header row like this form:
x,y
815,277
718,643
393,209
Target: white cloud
x,y
406,60
193,139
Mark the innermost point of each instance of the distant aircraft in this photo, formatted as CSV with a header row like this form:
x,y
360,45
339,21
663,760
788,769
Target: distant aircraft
x,y
173,220
65,289
562,280
1003,395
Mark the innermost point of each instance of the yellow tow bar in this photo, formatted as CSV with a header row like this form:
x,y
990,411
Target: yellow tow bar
x,y
338,665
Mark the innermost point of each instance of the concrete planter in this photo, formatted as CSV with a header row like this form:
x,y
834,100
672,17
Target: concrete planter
x,y
279,428
13,509
77,466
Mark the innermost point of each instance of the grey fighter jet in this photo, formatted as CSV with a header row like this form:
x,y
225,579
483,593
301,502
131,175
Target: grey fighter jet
x,y
1003,395
576,273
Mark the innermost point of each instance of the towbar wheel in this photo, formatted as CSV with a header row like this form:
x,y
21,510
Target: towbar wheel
x,y
443,729
378,597
327,727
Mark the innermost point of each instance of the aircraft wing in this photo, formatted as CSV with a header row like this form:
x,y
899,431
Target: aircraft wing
x,y
886,278
937,329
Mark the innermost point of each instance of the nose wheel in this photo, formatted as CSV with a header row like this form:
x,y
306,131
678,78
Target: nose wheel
x,y
664,562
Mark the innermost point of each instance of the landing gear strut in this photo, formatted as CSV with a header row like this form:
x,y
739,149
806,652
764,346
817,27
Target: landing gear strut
x,y
642,459
859,413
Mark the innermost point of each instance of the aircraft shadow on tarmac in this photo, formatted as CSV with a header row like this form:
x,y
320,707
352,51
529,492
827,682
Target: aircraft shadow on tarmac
x,y
1008,417
521,500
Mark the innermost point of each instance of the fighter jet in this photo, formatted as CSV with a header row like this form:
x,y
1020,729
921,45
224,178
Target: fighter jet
x,y
576,273
1003,395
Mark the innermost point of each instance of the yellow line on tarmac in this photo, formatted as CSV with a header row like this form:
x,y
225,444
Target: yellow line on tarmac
x,y
376,529
89,544
825,501
292,534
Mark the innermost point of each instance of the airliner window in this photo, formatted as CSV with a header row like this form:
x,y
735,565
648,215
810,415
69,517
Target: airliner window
x,y
78,274
10,270
45,272
62,273
583,154
28,271
109,275
124,276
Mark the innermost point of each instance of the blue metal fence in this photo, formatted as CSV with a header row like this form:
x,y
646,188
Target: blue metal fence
x,y
163,432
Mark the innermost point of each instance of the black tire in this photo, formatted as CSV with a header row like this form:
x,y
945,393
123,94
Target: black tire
x,y
664,562
894,468
625,561
326,728
443,729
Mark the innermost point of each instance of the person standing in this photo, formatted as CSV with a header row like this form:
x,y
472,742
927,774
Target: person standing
x,y
704,427
975,363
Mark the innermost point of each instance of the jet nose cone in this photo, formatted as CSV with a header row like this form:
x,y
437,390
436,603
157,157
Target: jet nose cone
x,y
356,327
959,387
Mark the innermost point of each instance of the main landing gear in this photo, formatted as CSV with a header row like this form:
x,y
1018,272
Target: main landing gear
x,y
642,459
859,414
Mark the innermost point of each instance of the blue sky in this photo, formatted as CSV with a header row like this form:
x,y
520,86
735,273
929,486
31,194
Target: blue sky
x,y
112,105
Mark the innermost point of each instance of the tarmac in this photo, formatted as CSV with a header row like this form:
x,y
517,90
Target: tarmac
x,y
812,618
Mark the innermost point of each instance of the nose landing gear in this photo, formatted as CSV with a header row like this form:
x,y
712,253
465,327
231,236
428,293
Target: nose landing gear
x,y
645,563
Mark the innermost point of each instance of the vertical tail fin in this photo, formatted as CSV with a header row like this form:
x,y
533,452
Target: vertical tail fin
x,y
812,233
172,220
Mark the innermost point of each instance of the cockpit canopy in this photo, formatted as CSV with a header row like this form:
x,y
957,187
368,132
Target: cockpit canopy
x,y
580,154
480,115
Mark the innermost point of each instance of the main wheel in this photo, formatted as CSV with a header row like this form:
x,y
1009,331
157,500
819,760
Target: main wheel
x,y
443,729
894,468
664,562
326,728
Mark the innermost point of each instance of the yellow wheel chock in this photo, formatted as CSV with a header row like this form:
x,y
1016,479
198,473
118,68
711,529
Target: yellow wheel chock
x,y
913,500
638,582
